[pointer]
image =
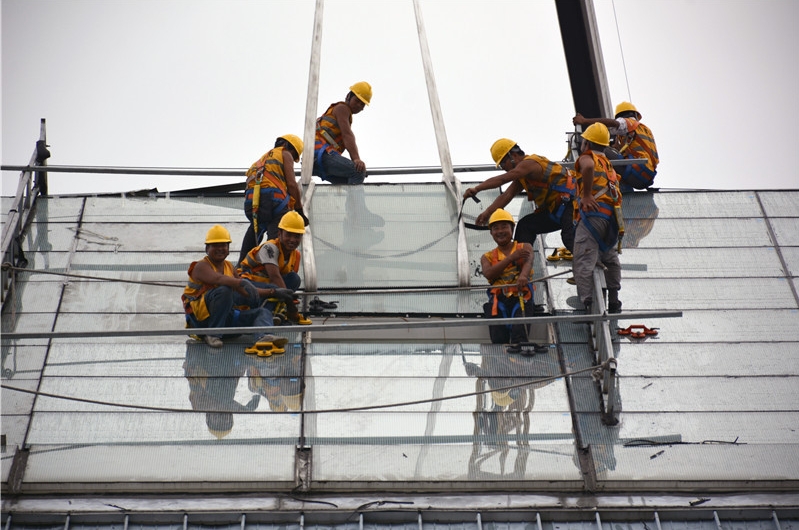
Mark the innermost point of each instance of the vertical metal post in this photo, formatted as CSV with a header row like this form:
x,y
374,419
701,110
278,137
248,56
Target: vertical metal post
x,y
448,175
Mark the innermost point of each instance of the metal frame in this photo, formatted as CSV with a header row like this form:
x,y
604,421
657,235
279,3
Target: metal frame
x,y
32,183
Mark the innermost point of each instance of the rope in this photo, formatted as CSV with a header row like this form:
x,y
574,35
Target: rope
x,y
604,366
9,267
621,50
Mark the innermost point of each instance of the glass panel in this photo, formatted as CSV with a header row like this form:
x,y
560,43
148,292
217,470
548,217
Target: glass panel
x,y
791,257
668,359
694,263
786,230
640,294
195,210
128,237
350,254
780,203
687,205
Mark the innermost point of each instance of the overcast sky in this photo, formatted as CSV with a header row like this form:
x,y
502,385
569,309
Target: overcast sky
x,y
212,83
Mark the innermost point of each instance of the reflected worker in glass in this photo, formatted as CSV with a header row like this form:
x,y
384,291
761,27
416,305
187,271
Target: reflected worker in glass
x,y
334,136
272,191
213,378
549,186
216,297
273,268
509,269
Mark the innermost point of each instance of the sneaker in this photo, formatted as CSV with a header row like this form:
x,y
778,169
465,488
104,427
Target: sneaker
x,y
614,307
214,342
513,348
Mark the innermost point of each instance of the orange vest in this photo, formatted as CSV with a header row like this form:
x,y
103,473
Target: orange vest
x,y
268,173
640,143
254,270
605,188
194,293
556,188
327,130
511,273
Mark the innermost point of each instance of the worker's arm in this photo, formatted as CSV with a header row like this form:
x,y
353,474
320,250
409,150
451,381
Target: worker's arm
x,y
274,275
523,254
291,180
527,267
342,112
610,123
204,273
587,201
525,168
500,202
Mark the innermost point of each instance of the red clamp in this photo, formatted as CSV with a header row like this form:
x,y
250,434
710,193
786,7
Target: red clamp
x,y
638,331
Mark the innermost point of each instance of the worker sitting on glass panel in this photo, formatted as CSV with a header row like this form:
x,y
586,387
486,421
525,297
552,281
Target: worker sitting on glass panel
x,y
633,140
509,269
216,297
333,136
273,268
598,217
272,191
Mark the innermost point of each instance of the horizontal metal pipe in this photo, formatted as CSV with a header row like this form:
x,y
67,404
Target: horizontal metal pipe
x,y
346,326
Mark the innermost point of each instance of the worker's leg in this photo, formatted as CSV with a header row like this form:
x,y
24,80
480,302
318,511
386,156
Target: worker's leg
x,y
533,224
567,228
292,280
612,278
219,302
636,176
586,254
338,169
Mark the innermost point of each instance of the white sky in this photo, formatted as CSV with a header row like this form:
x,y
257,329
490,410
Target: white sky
x,y
212,83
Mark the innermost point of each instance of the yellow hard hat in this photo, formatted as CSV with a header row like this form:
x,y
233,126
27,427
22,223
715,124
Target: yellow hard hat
x,y
597,133
502,399
217,234
295,142
363,90
501,148
626,106
500,215
292,222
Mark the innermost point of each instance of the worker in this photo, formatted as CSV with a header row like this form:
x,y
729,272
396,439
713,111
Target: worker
x,y
509,269
216,297
595,214
633,140
333,136
549,186
273,267
272,191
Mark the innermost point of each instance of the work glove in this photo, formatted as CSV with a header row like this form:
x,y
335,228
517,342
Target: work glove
x,y
302,214
285,295
252,292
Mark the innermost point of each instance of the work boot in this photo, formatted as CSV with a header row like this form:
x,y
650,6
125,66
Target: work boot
x,y
614,304
513,348
357,212
214,342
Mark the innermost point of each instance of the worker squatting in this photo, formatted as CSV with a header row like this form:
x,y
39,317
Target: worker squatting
x,y
584,204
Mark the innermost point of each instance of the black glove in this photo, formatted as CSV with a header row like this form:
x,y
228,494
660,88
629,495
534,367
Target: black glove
x,y
285,295
252,292
302,214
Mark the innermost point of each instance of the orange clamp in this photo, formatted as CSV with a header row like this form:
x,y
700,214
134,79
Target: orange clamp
x,y
637,331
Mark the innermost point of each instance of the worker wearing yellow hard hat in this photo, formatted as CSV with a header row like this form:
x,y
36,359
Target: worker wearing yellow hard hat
x,y
634,140
273,266
509,270
548,185
598,219
272,191
334,136
216,296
